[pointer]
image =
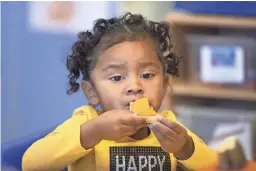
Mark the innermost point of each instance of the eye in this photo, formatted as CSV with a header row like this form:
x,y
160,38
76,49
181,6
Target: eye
x,y
116,78
147,76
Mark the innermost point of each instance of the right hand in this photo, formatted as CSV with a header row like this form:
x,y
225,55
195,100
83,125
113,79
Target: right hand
x,y
116,124
112,125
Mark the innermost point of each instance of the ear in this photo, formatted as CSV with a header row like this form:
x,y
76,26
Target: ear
x,y
167,84
90,93
167,94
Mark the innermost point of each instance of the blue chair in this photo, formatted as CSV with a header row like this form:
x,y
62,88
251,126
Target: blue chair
x,y
13,151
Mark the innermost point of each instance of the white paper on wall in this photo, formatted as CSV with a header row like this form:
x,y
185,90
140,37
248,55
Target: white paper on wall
x,y
66,16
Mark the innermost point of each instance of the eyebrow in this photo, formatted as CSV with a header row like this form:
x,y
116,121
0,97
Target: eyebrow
x,y
114,66
121,66
149,64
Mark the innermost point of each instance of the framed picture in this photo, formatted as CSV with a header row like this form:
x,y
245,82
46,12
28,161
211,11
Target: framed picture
x,y
222,64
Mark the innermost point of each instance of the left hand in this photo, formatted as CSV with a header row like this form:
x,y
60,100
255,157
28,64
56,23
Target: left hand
x,y
173,138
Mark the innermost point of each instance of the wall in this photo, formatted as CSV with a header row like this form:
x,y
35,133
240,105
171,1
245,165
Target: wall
x,y
152,10
33,75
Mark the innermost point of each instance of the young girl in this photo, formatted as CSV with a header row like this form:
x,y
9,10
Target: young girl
x,y
120,60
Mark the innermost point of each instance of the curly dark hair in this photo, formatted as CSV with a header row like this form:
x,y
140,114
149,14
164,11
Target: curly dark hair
x,y
108,32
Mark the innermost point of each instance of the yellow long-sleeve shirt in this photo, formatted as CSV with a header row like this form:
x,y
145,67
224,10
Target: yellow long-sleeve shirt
x,y
62,148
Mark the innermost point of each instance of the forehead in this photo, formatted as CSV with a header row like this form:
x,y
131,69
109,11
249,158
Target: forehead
x,y
129,53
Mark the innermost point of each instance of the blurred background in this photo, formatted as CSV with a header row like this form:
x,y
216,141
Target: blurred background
x,y
215,95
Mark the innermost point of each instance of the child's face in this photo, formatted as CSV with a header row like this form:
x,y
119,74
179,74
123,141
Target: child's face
x,y
126,72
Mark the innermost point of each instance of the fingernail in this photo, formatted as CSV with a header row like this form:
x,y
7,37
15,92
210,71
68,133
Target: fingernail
x,y
150,126
159,117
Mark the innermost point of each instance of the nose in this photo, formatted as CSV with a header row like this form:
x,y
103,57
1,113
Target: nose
x,y
134,87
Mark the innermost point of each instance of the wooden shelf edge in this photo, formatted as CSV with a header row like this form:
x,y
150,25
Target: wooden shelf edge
x,y
197,91
210,20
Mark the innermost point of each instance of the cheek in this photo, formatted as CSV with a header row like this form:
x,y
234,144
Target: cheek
x,y
157,85
107,90
155,91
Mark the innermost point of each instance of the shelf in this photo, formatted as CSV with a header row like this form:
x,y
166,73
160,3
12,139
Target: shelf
x,y
211,20
196,91
183,24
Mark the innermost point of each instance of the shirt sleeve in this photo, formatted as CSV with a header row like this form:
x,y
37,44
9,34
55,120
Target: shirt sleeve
x,y
202,156
59,148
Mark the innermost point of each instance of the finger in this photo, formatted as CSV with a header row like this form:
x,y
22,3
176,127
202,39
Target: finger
x,y
151,119
128,129
142,125
172,125
132,128
169,133
160,136
132,120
